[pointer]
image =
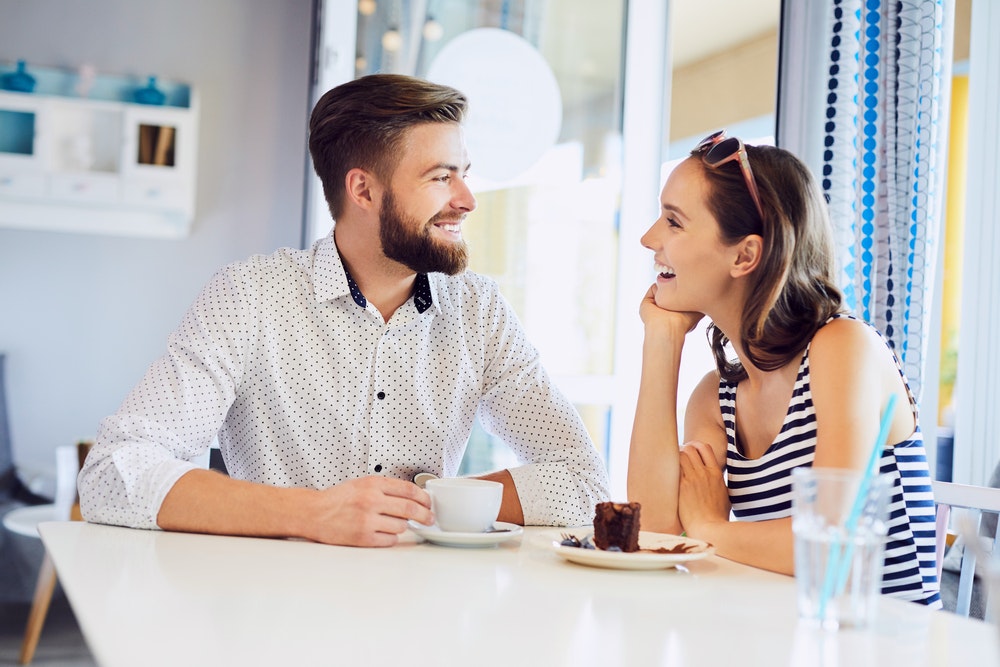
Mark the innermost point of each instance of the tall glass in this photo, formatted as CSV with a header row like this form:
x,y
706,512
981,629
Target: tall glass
x,y
840,532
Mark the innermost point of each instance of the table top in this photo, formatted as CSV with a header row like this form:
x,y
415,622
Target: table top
x,y
25,520
162,598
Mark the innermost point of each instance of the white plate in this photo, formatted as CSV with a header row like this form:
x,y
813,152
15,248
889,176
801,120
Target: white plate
x,y
452,539
645,559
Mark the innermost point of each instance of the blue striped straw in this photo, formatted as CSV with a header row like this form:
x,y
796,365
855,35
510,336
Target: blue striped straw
x,y
839,564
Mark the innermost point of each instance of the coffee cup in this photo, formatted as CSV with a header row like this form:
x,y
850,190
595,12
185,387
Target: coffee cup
x,y
464,505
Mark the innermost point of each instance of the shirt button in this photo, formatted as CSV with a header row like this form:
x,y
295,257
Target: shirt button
x,y
378,468
380,395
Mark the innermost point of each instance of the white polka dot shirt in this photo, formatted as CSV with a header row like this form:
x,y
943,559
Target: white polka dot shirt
x,y
306,385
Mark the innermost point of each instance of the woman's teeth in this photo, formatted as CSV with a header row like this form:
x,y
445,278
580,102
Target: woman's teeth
x,y
664,270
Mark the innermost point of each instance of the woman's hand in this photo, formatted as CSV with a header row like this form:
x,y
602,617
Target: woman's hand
x,y
703,497
652,315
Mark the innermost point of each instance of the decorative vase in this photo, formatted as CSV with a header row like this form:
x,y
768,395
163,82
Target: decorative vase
x,y
18,80
150,94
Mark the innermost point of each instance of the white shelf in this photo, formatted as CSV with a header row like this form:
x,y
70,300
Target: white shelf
x,y
98,164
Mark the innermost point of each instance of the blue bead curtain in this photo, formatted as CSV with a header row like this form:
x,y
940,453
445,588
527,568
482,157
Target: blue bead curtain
x,y
883,160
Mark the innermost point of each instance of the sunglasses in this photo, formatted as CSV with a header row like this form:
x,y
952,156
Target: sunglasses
x,y
717,149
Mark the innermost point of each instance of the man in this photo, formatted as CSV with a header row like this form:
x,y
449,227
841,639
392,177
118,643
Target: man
x,y
333,375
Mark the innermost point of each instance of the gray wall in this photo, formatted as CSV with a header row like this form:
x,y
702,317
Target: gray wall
x,y
82,316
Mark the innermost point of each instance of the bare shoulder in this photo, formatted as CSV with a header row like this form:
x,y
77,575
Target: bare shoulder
x,y
707,389
849,353
703,415
844,329
846,340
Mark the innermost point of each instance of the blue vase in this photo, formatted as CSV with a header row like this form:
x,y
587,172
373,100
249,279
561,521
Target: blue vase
x,y
19,80
150,94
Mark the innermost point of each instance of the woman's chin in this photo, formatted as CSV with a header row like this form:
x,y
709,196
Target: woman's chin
x,y
663,302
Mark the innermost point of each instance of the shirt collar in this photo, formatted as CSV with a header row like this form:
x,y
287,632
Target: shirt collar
x,y
332,280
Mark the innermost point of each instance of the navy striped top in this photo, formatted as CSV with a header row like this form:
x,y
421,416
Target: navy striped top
x,y
761,488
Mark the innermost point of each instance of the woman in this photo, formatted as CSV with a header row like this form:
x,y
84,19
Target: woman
x,y
798,381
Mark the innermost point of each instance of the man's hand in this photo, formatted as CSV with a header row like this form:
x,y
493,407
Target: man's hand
x,y
368,512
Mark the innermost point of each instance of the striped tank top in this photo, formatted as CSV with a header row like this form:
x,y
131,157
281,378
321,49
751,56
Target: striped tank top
x,y
761,488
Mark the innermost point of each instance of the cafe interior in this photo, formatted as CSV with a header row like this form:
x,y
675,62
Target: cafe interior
x,y
115,213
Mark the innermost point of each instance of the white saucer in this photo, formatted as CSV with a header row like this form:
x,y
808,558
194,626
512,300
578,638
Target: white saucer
x,y
645,559
437,536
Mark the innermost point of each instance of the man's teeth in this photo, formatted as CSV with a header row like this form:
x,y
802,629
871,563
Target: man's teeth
x,y
454,229
664,270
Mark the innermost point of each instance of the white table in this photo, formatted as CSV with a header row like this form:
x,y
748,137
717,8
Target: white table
x,y
158,598
25,520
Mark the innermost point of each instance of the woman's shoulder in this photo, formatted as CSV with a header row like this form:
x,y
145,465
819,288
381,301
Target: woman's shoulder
x,y
707,393
845,338
843,328
703,416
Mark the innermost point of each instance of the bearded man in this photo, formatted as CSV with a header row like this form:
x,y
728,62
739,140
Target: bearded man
x,y
332,376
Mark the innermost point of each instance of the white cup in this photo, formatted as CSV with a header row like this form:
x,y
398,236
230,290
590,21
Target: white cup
x,y
463,505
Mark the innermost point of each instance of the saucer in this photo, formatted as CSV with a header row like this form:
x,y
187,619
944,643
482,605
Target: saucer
x,y
647,558
454,539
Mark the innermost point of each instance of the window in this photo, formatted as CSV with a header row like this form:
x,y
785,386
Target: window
x,y
561,234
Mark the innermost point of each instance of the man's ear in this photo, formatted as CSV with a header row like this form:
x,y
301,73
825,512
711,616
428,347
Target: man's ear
x,y
748,255
360,186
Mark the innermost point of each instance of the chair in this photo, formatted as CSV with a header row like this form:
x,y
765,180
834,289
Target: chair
x,y
46,584
975,501
7,476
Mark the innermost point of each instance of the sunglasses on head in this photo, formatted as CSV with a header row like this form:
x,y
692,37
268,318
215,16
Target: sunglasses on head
x,y
717,149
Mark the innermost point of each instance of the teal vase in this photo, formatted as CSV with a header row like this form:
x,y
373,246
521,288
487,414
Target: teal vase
x,y
150,94
19,80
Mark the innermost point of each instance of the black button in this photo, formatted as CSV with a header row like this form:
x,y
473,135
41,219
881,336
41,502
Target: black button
x,y
380,395
378,468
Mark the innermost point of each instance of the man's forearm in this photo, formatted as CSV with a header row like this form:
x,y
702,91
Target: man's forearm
x,y
204,501
366,512
510,506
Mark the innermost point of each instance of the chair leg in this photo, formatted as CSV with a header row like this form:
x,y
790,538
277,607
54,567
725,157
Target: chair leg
x,y
39,608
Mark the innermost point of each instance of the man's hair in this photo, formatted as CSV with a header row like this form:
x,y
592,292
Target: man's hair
x,y
362,123
794,289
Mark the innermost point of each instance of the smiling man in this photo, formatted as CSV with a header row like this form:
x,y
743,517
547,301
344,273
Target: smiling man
x,y
331,376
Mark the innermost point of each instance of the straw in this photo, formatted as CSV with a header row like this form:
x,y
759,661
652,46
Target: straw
x,y
840,563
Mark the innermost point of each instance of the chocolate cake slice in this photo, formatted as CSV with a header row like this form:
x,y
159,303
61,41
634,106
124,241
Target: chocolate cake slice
x,y
617,525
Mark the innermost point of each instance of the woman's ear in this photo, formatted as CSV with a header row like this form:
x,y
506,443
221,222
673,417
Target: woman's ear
x,y
360,186
748,255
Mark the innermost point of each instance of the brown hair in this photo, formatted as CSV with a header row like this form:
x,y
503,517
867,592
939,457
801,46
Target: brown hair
x,y
793,289
362,124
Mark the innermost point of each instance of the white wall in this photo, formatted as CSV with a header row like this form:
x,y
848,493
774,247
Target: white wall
x,y
81,316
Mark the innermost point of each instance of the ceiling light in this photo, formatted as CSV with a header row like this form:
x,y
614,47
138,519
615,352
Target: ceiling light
x,y
392,40
433,31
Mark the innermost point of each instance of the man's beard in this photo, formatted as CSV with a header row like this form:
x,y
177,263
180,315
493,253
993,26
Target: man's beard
x,y
408,242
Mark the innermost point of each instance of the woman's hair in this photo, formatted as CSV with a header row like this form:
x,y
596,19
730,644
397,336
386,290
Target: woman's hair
x,y
793,290
362,124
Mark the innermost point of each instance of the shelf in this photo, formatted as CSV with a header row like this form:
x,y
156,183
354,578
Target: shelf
x,y
97,163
